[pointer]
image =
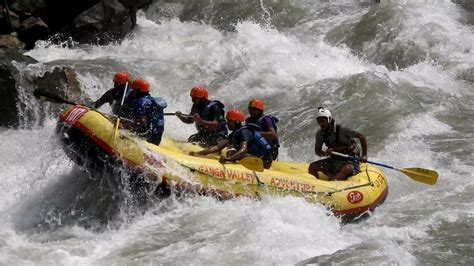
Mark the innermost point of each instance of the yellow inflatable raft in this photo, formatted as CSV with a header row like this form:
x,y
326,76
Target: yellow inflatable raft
x,y
87,133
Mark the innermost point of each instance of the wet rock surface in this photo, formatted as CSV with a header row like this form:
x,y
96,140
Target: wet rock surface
x,y
15,83
87,21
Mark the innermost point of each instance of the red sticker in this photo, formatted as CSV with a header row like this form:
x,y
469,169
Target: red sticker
x,y
75,114
355,197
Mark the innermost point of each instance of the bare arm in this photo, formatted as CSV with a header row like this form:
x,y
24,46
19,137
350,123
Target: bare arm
x,y
270,134
217,148
320,152
363,143
105,98
212,125
188,119
238,154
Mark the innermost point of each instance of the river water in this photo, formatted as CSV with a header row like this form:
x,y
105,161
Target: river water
x,y
401,72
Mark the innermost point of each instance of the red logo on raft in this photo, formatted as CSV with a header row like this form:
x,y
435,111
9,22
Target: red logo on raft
x,y
355,197
74,114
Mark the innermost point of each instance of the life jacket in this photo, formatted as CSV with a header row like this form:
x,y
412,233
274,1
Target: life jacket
x,y
206,114
275,143
352,147
259,146
156,120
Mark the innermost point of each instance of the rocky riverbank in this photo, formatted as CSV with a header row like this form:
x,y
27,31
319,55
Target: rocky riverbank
x,y
24,22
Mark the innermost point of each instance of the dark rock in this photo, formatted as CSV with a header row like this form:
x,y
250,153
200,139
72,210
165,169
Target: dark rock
x,y
9,55
60,13
9,20
31,30
10,78
62,81
86,21
36,8
133,5
23,17
8,98
107,21
101,22
18,106
10,41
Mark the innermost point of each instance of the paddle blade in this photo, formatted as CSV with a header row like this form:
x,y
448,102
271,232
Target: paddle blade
x,y
252,163
422,175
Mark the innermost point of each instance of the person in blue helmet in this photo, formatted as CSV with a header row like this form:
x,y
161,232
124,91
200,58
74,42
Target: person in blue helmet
x,y
243,141
339,139
146,112
267,124
208,116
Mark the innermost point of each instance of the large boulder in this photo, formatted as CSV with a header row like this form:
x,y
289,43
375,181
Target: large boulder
x,y
18,106
61,81
106,21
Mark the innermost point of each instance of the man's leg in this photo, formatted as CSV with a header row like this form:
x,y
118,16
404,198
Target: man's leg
x,y
320,165
345,171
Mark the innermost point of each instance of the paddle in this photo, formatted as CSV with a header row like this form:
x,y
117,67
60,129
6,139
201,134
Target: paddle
x,y
252,163
48,96
45,95
185,115
422,175
117,122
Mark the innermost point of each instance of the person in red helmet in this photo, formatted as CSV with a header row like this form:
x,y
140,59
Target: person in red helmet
x,y
266,123
146,111
243,141
208,116
114,96
339,139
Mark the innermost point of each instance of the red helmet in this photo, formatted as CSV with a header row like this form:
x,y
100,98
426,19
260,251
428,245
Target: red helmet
x,y
235,115
257,103
199,92
121,77
141,84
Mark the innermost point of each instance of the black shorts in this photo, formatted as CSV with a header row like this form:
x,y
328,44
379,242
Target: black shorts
x,y
334,164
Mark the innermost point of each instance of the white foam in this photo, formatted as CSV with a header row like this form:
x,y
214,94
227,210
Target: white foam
x,y
29,158
433,28
273,230
428,75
